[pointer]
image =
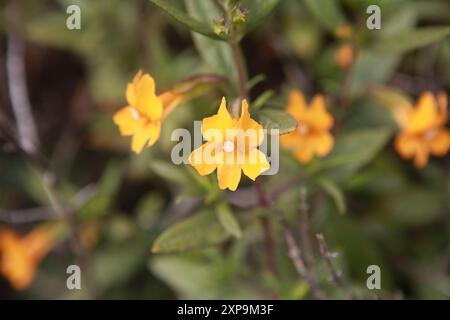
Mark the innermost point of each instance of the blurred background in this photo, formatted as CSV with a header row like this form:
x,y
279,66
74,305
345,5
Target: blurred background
x,y
376,209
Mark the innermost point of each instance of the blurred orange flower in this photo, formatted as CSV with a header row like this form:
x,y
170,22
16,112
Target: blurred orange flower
x,y
344,56
142,118
232,146
344,31
312,136
423,129
20,256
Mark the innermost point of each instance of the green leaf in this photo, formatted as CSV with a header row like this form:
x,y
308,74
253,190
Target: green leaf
x,y
262,99
115,264
276,119
335,193
216,54
198,231
170,172
258,11
411,40
186,20
191,278
353,150
228,220
327,12
391,98
369,71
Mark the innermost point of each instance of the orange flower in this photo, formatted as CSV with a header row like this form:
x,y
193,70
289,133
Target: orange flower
x,y
314,122
20,256
344,31
423,129
142,118
344,56
232,146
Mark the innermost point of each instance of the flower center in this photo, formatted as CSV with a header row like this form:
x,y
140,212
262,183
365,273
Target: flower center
x,y
228,146
134,113
430,134
303,128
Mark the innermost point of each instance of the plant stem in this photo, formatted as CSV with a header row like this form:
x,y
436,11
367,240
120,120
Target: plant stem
x,y
293,249
267,231
237,56
337,279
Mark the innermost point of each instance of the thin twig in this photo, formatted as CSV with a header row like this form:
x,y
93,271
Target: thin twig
x,y
337,279
304,227
46,213
267,231
27,138
15,66
293,249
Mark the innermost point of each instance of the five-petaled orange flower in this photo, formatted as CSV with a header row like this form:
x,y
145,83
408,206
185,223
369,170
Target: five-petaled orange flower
x,y
232,146
312,136
423,129
142,118
20,256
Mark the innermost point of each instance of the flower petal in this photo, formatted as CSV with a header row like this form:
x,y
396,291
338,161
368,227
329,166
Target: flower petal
x,y
406,145
440,144
131,89
296,105
228,176
255,164
412,146
218,123
128,121
305,152
318,117
251,132
424,116
203,160
154,131
148,133
37,243
421,156
146,101
323,143
290,140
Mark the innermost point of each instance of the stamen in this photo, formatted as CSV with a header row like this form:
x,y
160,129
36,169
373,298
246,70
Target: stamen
x,y
303,128
430,134
228,146
134,113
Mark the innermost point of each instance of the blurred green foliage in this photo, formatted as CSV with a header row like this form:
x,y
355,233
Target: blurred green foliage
x,y
372,206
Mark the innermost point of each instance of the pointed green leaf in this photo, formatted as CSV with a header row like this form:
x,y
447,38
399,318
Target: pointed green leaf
x,y
411,40
170,172
335,193
198,231
327,12
216,54
353,150
262,99
276,119
186,20
228,220
258,11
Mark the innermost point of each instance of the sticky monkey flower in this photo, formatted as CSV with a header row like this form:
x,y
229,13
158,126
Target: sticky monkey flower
x,y
422,129
145,112
312,136
231,146
20,256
